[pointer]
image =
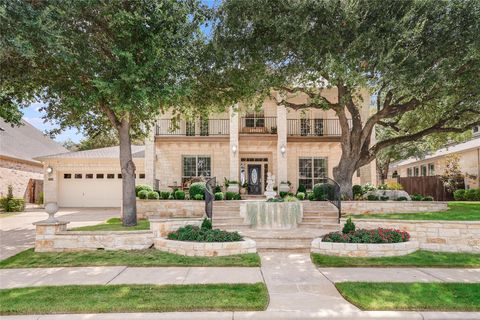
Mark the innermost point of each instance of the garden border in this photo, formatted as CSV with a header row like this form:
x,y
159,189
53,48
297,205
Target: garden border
x,y
363,249
205,249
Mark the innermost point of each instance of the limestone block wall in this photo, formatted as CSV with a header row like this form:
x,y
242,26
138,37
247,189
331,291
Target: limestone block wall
x,y
162,227
452,236
366,207
206,249
17,174
170,208
55,238
363,249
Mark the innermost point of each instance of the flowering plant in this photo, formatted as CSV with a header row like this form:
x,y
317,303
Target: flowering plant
x,y
379,235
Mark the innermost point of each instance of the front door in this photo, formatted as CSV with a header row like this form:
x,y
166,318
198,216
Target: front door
x,y
254,179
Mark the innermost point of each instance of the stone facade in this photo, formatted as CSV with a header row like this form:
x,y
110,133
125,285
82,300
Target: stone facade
x,y
205,249
364,249
55,238
170,208
162,227
18,174
366,207
451,236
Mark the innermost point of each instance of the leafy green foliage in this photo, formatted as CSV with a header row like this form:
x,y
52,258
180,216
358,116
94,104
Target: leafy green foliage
x,y
379,235
141,187
301,188
232,196
179,195
427,198
384,198
372,197
197,188
459,195
348,227
357,191
218,195
153,195
198,197
402,198
193,233
143,194
472,194
301,196
283,194
323,191
416,197
276,200
11,204
165,195
206,224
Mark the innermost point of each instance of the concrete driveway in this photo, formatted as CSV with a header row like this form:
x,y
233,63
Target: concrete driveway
x,y
17,232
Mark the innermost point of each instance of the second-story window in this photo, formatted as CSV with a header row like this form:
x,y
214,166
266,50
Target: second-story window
x,y
254,120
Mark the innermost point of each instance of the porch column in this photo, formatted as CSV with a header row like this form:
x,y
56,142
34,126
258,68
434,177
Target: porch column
x,y
281,145
234,149
150,159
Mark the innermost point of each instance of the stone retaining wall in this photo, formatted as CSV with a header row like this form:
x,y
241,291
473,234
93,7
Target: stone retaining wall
x,y
170,208
55,238
161,227
205,249
452,236
366,207
363,249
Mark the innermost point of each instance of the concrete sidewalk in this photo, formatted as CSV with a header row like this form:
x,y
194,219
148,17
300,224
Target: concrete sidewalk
x,y
34,277
402,275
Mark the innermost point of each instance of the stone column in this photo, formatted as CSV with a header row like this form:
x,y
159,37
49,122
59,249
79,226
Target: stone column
x,y
234,148
45,235
281,146
150,157
50,183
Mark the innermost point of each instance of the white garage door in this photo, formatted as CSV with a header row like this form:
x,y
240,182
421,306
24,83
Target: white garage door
x,y
89,190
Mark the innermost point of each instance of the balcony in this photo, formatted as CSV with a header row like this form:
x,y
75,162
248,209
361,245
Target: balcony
x,y
194,128
258,125
314,127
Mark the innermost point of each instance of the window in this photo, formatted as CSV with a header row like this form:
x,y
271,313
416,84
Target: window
x,y
110,176
416,171
311,171
142,175
254,120
119,176
78,176
196,166
89,176
395,174
304,127
318,127
409,172
423,170
99,175
431,169
67,176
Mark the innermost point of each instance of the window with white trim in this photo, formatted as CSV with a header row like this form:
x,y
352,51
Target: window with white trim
x,y
416,171
431,169
409,172
311,171
196,166
423,170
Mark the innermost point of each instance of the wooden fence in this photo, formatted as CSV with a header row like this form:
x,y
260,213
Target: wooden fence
x,y
426,186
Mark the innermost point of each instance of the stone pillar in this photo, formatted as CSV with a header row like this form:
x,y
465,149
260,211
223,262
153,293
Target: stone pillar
x,y
45,235
282,164
50,183
234,149
150,157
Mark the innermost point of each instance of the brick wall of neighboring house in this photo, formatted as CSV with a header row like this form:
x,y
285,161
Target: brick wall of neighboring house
x,y
18,174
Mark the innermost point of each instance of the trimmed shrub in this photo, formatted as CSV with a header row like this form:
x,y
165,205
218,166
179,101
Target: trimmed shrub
x,y
417,197
378,235
171,197
198,197
310,196
427,198
459,195
301,189
218,195
196,234
179,195
206,224
478,195
372,197
12,204
143,194
164,195
348,227
357,191
233,196
153,195
197,188
402,198
283,194
141,187
301,196
290,199
384,198
217,189
471,195
323,191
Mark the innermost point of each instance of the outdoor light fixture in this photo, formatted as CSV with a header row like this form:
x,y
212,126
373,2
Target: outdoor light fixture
x,y
234,148
283,149
49,170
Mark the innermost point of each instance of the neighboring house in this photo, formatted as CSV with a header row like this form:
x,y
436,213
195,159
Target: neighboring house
x,y
302,147
19,145
434,164
90,178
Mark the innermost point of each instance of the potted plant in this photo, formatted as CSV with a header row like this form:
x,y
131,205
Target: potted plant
x,y
284,186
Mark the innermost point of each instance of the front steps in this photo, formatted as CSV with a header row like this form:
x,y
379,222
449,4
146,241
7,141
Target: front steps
x,y
319,218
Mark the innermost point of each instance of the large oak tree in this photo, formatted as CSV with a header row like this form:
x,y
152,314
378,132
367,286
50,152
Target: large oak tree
x,y
418,59
100,65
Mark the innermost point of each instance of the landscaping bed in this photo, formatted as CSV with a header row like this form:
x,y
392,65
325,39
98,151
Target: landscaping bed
x,y
133,298
131,258
419,258
412,296
115,224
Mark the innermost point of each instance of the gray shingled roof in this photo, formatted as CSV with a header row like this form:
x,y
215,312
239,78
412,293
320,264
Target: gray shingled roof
x,y
110,152
26,142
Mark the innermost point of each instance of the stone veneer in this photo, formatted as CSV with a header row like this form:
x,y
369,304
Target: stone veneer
x,y
452,236
363,249
365,207
161,227
170,208
18,174
205,249
54,237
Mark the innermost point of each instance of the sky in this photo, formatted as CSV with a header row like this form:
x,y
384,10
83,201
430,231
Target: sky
x,y
33,115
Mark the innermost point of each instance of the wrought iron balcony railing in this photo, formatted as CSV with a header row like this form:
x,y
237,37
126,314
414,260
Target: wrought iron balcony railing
x,y
258,125
204,128
314,127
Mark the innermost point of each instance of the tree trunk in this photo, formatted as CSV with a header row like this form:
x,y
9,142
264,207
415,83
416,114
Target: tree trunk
x,y
343,174
129,201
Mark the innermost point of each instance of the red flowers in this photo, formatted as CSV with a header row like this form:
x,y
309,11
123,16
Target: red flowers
x,y
379,235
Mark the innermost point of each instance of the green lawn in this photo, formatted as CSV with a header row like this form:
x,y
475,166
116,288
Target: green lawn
x,y
461,211
132,258
133,298
419,258
412,296
115,224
